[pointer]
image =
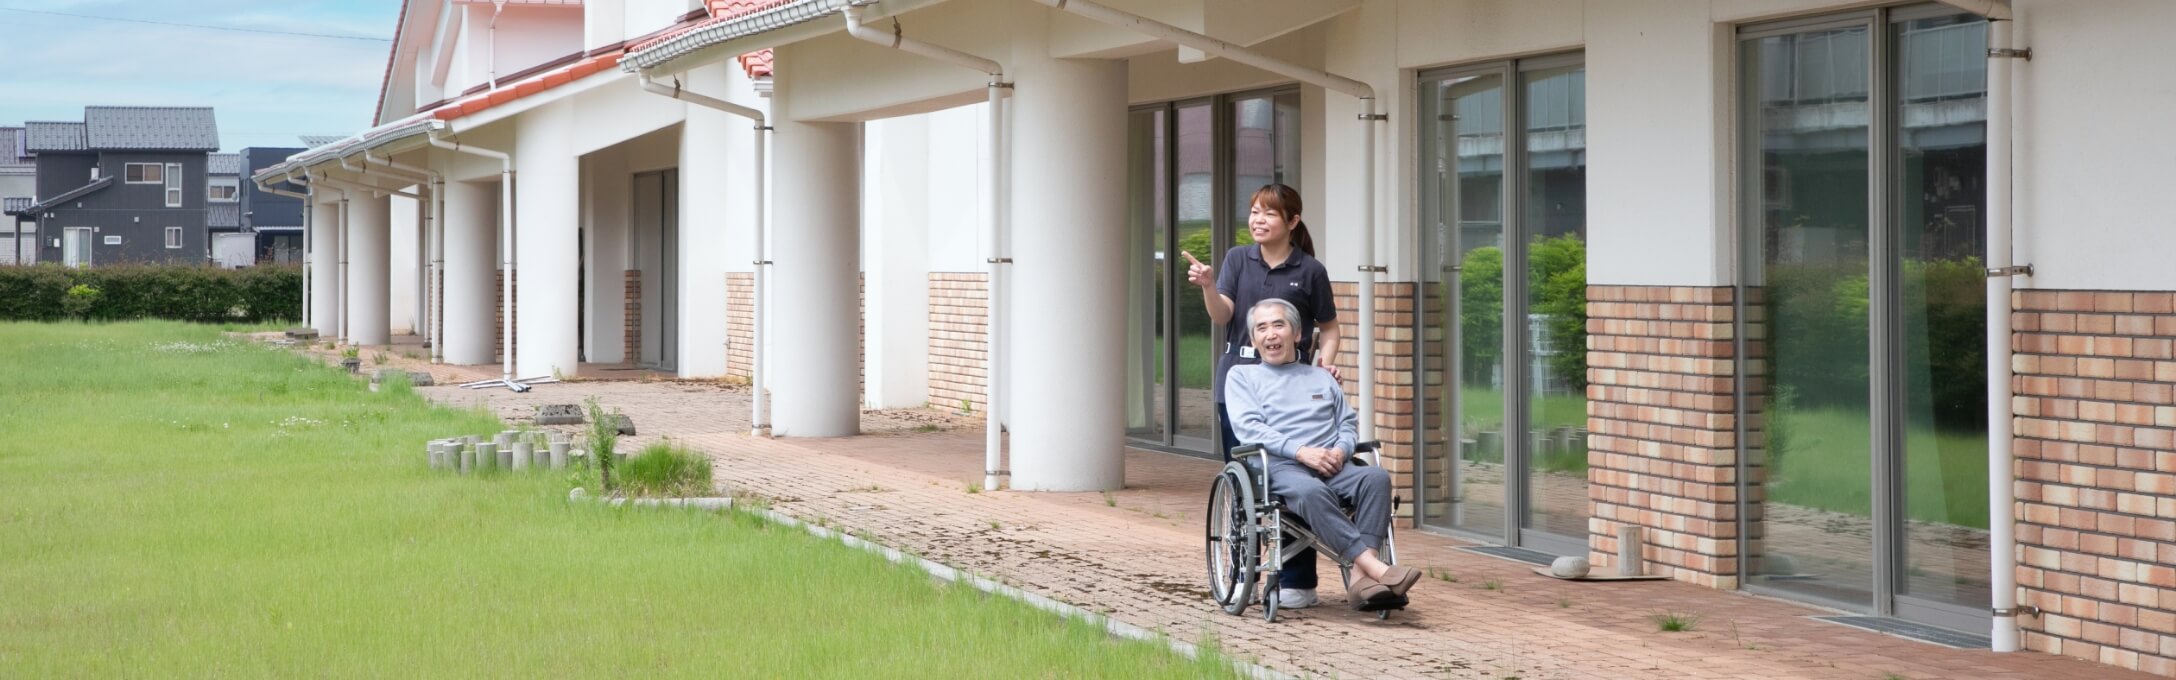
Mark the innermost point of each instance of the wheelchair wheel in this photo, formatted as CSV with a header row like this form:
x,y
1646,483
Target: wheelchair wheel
x,y
1232,544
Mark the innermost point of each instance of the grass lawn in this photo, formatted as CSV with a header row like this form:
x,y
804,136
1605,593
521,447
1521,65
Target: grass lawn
x,y
172,504
1483,409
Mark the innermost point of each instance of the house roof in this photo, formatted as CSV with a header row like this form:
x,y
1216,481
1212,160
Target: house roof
x,y
14,149
60,135
320,140
223,163
731,18
163,128
73,194
223,215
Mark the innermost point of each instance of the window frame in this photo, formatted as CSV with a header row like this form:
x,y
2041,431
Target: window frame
x,y
215,183
174,238
174,196
134,173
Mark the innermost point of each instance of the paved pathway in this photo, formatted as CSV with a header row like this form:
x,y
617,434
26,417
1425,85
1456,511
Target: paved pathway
x,y
1135,554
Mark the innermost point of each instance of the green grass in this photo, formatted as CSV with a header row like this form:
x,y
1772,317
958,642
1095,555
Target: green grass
x,y
217,509
1483,409
1828,467
664,469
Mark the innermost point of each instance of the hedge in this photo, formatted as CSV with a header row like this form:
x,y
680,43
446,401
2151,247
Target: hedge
x,y
49,292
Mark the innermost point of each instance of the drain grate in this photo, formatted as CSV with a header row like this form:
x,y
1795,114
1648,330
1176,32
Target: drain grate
x,y
1526,555
1916,631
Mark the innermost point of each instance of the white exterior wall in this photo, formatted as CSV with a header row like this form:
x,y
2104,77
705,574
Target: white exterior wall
x,y
527,35
404,216
895,230
2091,116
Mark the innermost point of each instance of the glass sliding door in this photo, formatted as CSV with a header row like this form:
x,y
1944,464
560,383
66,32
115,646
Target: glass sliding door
x,y
1192,166
1554,219
1502,322
1940,166
1863,312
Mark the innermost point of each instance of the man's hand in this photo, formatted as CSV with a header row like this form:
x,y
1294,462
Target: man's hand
x,y
1328,364
1322,460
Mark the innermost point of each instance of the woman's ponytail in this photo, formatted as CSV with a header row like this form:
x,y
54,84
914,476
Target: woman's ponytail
x,y
1300,238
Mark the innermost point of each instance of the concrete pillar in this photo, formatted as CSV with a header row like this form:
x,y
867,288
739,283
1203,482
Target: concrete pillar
x,y
325,267
547,260
369,245
1068,424
709,162
896,214
815,320
472,227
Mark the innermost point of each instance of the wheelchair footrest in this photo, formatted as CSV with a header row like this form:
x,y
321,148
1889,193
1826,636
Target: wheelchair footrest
x,y
1398,603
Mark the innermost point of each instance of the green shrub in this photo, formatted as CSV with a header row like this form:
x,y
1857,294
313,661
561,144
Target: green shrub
x,y
1819,314
665,469
48,292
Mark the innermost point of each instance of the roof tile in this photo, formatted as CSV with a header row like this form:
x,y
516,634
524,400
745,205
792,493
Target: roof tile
x,y
55,136
165,128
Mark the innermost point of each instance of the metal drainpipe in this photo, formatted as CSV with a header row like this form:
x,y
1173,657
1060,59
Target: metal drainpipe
x,y
506,232
993,437
305,241
758,426
1365,345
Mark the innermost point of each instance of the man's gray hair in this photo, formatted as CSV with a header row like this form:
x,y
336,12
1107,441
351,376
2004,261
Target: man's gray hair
x,y
1291,312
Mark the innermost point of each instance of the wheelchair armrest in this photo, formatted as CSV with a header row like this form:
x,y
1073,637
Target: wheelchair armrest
x,y
1245,449
1372,449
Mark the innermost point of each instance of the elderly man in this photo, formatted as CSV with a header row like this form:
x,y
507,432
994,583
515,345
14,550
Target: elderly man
x,y
1298,414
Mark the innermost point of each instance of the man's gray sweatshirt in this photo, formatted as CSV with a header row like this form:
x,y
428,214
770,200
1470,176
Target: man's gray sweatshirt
x,y
1287,406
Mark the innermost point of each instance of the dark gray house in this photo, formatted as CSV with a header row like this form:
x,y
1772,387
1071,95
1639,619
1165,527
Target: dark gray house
x,y
276,220
128,184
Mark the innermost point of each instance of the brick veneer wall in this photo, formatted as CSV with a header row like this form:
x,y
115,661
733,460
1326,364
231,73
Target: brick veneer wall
x,y
631,328
740,324
1662,453
958,338
2096,474
1395,397
498,312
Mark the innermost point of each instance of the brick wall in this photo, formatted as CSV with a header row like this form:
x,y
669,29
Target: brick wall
x,y
631,329
1662,453
2096,474
740,324
1395,397
958,338
498,313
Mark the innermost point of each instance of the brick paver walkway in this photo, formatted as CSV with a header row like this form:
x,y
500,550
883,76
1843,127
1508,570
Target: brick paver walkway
x,y
1135,555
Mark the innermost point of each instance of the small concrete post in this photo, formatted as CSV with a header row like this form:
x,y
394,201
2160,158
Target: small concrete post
x,y
431,452
523,451
559,453
466,458
487,456
1628,551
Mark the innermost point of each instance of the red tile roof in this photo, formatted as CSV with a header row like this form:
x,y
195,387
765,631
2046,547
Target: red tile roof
x,y
475,104
758,63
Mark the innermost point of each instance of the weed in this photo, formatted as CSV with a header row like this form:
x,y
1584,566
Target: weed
x,y
974,487
666,469
377,358
604,434
995,525
967,408
1492,585
1443,575
1563,603
926,428
1109,501
1673,622
351,352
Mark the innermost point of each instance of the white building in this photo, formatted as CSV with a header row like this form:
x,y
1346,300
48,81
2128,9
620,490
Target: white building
x,y
1768,223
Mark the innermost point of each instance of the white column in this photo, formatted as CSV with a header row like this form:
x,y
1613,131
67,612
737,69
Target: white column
x,y
896,214
1068,421
546,248
325,267
815,320
710,161
604,192
472,227
368,290
406,218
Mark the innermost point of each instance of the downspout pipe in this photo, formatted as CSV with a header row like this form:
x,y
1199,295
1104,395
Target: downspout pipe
x,y
993,442
2001,470
758,425
506,244
306,210
1369,117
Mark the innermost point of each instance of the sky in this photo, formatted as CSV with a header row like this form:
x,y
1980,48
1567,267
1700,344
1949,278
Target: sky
x,y
266,88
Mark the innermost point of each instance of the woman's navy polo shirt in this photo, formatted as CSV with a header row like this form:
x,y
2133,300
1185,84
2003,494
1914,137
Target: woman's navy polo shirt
x,y
1247,279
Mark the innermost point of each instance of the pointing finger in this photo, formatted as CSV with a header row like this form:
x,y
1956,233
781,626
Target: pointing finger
x,y
1190,258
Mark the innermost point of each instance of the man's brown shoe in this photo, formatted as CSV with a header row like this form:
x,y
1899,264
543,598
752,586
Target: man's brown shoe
x,y
1400,578
1363,590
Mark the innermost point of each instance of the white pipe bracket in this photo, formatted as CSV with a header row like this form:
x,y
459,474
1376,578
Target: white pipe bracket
x,y
2013,270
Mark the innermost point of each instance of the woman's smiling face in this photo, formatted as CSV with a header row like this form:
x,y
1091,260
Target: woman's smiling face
x,y
1267,225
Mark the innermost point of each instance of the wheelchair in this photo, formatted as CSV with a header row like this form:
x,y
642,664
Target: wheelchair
x,y
1250,535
